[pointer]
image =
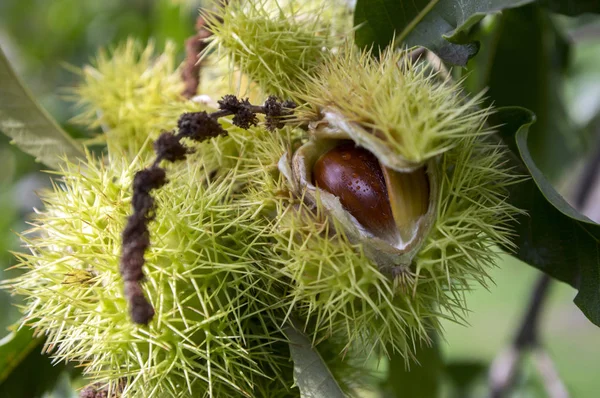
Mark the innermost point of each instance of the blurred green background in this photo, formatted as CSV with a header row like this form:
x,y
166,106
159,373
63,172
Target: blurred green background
x,y
40,37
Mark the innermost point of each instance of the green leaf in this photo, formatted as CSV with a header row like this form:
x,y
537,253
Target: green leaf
x,y
523,63
29,126
573,7
14,348
463,374
311,374
24,370
440,25
421,379
381,19
553,236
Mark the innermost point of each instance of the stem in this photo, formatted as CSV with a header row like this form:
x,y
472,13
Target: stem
x,y
507,365
552,382
528,335
194,46
199,127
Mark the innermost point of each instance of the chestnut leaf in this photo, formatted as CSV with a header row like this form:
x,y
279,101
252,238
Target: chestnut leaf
x,y
524,62
442,26
29,126
553,237
573,7
311,374
21,357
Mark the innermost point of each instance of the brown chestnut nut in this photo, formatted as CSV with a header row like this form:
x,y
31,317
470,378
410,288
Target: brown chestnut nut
x,y
354,175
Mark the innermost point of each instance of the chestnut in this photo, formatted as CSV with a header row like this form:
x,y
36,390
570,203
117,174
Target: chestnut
x,y
387,209
385,202
354,175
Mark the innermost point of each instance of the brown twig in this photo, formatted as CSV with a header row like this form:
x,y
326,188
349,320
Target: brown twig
x,y
197,126
506,368
528,334
194,45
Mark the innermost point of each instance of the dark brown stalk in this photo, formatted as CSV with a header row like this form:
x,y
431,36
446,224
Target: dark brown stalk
x,y
194,45
506,367
197,126
192,65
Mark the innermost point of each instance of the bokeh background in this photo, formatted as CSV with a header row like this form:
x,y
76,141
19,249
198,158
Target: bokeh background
x,y
43,37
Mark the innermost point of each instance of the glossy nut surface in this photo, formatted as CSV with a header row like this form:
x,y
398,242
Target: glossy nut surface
x,y
354,175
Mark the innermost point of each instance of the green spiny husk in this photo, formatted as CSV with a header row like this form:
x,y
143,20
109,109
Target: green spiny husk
x,y
216,318
236,248
278,44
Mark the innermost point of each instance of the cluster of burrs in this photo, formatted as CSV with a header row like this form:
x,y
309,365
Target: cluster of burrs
x,y
199,127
